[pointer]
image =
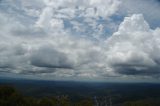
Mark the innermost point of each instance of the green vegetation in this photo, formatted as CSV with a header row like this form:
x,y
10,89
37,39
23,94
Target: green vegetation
x,y
146,102
11,97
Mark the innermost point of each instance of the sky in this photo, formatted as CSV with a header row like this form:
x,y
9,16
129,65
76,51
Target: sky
x,y
86,40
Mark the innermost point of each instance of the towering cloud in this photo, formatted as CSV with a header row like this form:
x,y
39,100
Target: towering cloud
x,y
133,49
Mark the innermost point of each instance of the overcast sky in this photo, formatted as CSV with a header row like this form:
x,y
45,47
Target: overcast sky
x,y
95,40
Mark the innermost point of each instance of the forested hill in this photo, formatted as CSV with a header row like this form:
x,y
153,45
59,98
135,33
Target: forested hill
x,y
15,92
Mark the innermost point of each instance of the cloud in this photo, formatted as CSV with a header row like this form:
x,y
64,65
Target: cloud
x,y
133,49
56,13
48,57
69,39
149,9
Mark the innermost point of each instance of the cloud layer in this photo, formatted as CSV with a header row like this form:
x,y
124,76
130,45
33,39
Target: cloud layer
x,y
70,39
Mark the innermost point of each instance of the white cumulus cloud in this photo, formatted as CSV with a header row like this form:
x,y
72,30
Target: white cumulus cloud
x,y
134,47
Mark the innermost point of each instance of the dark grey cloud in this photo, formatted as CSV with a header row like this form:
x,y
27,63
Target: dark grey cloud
x,y
137,70
50,58
39,71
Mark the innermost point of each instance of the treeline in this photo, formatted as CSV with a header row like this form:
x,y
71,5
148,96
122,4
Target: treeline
x,y
146,102
9,96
